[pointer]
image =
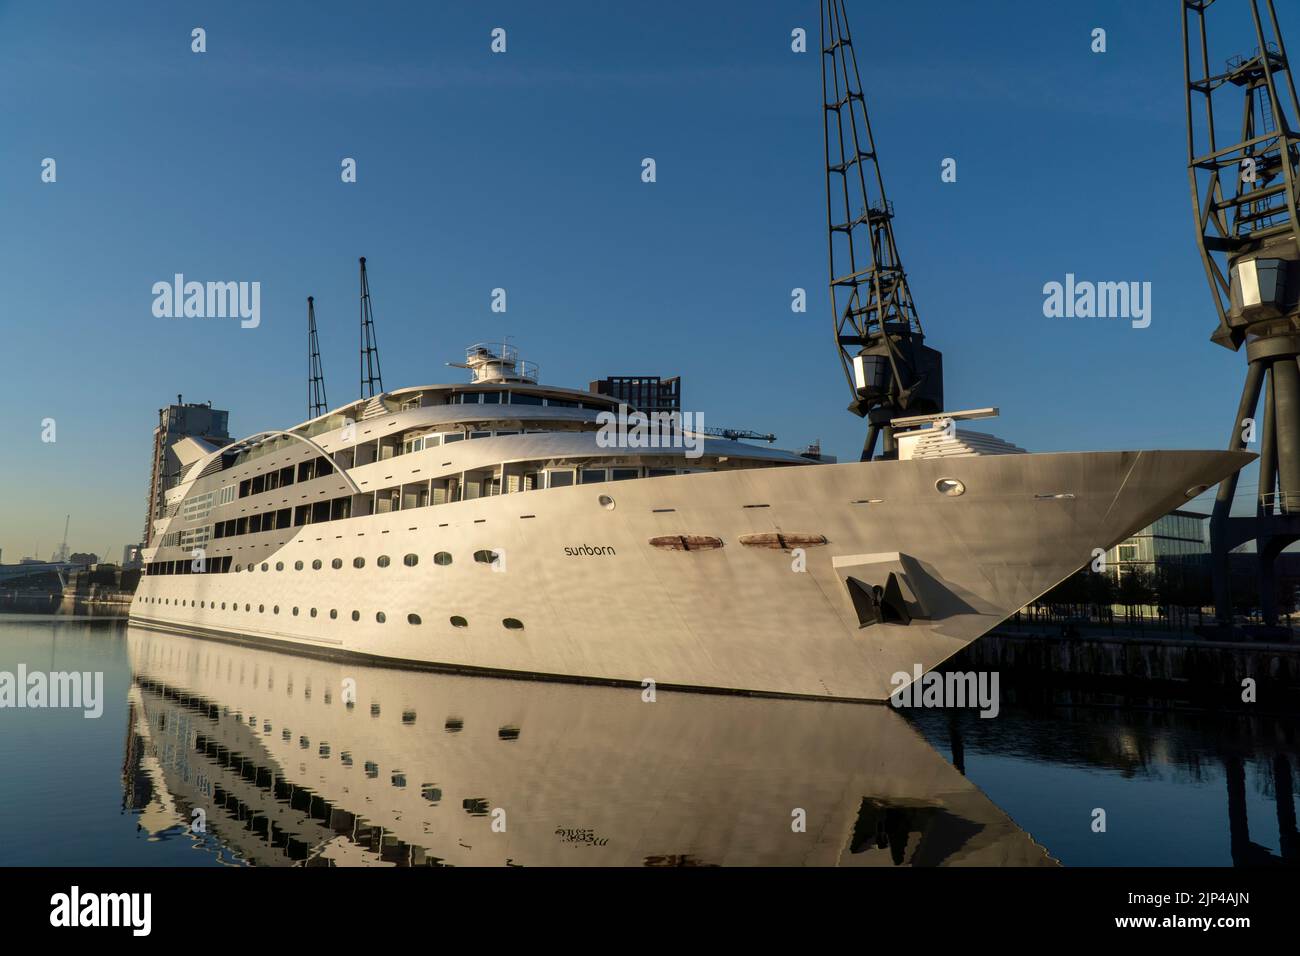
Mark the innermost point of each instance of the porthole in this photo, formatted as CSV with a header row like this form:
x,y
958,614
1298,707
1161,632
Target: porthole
x,y
336,563
239,567
315,565
358,562
382,560
297,565
261,609
606,502
295,612
223,605
513,624
313,612
334,613
458,621
265,566
485,557
279,565
443,558
381,617
248,607
411,560
356,615
276,609
950,487
412,619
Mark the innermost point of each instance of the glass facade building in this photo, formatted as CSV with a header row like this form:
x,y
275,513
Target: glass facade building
x,y
1178,539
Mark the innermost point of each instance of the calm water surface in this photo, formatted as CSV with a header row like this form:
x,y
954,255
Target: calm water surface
x,y
288,760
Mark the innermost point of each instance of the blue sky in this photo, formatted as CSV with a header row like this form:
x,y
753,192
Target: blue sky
x,y
522,170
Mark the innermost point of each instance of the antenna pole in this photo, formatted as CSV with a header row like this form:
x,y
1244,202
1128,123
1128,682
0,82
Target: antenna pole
x,y
371,377
317,404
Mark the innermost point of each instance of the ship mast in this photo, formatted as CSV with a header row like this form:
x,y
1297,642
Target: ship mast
x,y
316,401
889,370
372,380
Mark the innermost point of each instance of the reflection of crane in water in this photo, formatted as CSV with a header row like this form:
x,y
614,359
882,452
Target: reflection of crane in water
x,y
1246,852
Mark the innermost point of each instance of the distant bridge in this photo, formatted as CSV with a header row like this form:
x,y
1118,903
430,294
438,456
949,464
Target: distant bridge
x,y
13,572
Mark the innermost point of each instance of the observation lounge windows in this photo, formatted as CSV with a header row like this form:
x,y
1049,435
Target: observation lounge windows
x,y
559,478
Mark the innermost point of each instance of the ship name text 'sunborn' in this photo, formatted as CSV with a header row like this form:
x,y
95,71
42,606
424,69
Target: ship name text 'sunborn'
x,y
584,550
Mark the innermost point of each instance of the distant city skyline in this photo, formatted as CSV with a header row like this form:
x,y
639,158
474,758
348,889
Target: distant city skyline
x,y
522,171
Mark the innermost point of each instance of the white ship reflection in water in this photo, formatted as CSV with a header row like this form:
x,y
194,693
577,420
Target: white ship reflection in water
x,y
434,769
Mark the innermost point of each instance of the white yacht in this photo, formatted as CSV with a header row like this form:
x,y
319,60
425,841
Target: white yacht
x,y
495,526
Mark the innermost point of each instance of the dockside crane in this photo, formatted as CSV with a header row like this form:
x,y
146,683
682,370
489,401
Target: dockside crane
x,y
889,369
737,434
63,548
1243,159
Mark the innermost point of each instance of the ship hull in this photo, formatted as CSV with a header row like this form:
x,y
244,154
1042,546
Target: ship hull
x,y
606,590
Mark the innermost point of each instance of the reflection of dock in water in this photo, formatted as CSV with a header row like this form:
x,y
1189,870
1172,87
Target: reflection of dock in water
x,y
422,766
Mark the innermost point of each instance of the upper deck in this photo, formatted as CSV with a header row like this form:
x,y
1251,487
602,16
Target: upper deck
x,y
501,433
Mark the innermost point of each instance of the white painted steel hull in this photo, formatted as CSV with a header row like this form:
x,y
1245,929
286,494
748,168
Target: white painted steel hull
x,y
734,618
